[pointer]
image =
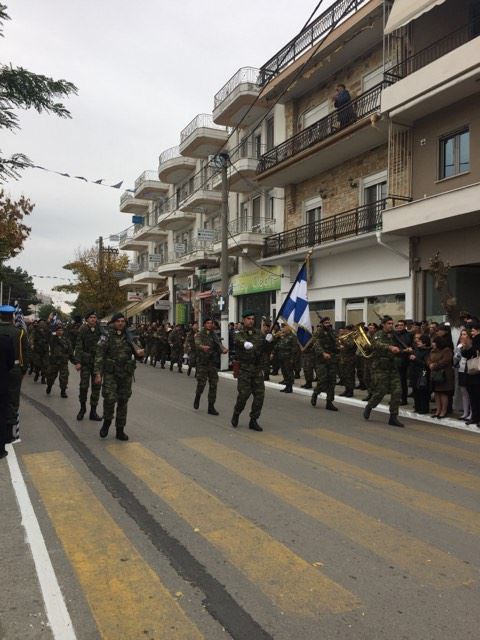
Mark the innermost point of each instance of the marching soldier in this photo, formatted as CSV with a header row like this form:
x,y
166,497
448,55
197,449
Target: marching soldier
x,y
176,340
208,348
190,346
385,372
250,347
287,351
60,352
14,375
84,354
40,350
367,362
346,362
73,329
162,345
326,351
115,365
308,364
267,356
154,344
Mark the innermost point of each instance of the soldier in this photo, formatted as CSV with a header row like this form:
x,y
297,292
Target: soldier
x,y
148,343
250,347
385,372
208,347
40,339
115,364
84,354
367,362
15,375
308,364
287,351
162,345
7,362
190,346
154,344
60,352
326,351
176,340
267,356
346,362
72,331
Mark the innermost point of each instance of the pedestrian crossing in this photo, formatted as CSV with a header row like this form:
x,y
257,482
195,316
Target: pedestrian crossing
x,y
115,577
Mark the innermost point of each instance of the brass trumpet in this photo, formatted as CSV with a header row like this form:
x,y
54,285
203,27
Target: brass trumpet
x,y
360,338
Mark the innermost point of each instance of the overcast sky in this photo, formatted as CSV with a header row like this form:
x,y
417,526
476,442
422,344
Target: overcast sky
x,y
144,69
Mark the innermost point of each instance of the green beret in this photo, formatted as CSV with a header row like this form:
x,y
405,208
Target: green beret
x,y
248,312
117,316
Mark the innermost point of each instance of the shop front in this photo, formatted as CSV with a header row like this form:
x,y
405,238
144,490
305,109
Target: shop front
x,y
258,291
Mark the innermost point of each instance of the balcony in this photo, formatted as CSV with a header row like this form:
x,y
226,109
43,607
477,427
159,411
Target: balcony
x,y
151,233
130,204
173,168
149,187
148,274
202,137
172,266
128,240
359,221
198,254
242,172
175,219
246,233
126,283
343,134
237,99
437,76
201,197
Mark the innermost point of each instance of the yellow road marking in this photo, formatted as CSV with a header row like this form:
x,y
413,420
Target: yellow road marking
x,y
289,581
450,512
425,562
126,596
441,447
460,437
453,476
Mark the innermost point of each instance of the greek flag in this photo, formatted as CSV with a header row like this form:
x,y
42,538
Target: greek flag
x,y
18,317
295,310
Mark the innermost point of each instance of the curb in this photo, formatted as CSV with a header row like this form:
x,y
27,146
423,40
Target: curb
x,y
382,408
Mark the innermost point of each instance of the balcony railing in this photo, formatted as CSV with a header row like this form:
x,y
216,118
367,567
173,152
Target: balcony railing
x,y
434,51
146,176
245,75
308,37
364,219
126,195
168,154
366,104
203,120
198,245
250,224
129,233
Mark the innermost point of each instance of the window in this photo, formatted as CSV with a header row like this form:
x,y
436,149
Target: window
x,y
315,114
270,134
270,206
372,78
454,154
313,210
256,209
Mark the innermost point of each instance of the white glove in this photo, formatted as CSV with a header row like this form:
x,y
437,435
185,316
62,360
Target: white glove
x,y
248,346
269,337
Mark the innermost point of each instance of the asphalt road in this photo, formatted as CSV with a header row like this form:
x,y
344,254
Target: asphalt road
x,y
323,526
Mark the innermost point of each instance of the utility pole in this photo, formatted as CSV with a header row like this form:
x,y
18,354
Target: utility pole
x,y
221,162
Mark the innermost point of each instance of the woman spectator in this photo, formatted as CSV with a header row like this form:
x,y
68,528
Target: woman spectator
x,y
473,380
420,373
440,363
459,362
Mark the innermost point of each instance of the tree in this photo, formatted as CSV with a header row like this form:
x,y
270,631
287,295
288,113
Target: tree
x,y
97,287
440,270
13,232
22,89
18,285
45,310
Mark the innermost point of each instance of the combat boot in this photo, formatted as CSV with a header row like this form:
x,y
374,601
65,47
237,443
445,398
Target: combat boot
x,y
48,389
121,435
211,409
196,402
234,420
43,380
83,410
330,406
254,426
163,365
366,412
394,421
367,398
266,377
93,414
63,393
189,370
307,385
313,400
288,389
171,366
105,427
30,370
348,393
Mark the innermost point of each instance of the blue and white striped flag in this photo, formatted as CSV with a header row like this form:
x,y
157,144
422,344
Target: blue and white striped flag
x,y
295,310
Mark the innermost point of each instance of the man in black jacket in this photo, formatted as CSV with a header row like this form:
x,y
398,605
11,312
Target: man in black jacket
x,y
7,361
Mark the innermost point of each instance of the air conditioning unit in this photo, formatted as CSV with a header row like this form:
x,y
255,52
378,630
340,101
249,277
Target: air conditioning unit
x,y
192,282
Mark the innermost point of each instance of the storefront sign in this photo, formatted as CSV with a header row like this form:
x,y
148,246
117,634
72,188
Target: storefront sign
x,y
137,219
133,266
156,258
134,296
206,235
179,249
257,281
161,305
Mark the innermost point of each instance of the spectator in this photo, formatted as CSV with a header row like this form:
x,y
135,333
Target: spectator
x,y
342,102
7,360
473,380
405,340
460,362
421,373
440,363
432,327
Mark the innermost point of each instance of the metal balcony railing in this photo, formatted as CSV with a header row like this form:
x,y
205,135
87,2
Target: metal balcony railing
x,y
355,222
308,37
146,175
434,51
126,195
202,121
360,107
168,154
129,233
245,75
250,224
198,245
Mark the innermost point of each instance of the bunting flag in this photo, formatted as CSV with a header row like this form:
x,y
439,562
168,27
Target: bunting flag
x,y
100,181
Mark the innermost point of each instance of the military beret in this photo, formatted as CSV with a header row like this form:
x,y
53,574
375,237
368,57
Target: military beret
x,y
7,308
324,319
77,318
386,319
117,316
248,312
90,313
205,320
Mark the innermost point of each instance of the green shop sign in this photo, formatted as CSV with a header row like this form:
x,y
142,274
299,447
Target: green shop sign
x,y
257,281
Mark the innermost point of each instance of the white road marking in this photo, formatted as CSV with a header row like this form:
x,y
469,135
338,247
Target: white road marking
x,y
55,607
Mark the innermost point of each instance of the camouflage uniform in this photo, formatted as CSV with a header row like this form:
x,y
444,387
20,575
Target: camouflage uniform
x,y
15,376
85,351
154,345
308,364
40,335
191,349
287,347
297,361
115,362
148,343
250,377
346,365
72,332
385,369
326,370
162,346
176,341
206,363
60,352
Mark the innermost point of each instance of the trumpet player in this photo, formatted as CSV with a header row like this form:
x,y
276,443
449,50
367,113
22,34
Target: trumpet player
x,y
326,353
346,361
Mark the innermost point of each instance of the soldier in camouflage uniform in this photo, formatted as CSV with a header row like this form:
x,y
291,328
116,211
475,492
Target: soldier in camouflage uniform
x,y
385,372
115,363
346,362
367,362
326,352
190,346
267,356
176,341
250,347
85,351
287,346
60,352
72,331
208,349
40,340
148,343
308,364
297,362
154,344
162,345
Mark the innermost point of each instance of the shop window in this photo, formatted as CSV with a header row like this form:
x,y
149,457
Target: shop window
x,y
454,154
390,305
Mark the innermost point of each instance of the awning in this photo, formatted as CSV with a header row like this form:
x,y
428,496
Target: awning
x,y
404,11
123,310
149,301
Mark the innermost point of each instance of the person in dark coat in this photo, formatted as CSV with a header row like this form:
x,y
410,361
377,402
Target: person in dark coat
x,y
7,361
420,374
342,102
440,363
473,380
